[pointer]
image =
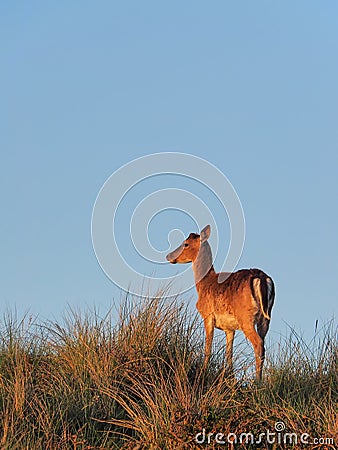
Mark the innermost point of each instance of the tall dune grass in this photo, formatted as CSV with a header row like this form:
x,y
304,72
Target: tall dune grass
x,y
137,383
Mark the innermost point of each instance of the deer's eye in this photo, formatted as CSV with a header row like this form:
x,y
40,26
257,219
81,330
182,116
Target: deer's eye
x,y
186,245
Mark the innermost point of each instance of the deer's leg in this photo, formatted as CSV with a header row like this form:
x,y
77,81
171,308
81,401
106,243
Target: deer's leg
x,y
209,326
229,350
263,327
258,346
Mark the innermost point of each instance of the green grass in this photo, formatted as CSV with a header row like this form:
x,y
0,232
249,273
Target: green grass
x,y
88,383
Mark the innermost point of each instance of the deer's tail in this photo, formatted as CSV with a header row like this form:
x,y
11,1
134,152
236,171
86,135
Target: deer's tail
x,y
264,294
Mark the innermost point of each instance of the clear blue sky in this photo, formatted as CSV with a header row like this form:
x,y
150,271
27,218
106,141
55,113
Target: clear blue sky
x,y
88,86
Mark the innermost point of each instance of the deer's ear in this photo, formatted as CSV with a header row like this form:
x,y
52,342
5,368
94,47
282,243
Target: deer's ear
x,y
205,233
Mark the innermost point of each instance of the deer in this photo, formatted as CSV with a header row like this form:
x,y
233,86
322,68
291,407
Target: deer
x,y
241,300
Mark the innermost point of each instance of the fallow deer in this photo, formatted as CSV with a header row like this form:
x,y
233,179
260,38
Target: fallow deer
x,y
240,300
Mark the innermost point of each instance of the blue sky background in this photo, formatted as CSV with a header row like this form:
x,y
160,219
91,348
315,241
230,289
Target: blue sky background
x,y
88,86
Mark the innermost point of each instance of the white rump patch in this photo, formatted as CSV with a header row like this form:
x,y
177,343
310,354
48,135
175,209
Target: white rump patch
x,y
258,293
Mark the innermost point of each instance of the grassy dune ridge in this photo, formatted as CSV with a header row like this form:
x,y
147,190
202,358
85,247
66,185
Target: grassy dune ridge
x,y
89,383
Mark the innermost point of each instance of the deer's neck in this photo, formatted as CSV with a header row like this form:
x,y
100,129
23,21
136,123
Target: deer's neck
x,y
202,265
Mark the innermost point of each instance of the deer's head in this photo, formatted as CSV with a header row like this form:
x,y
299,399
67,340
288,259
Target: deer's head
x,y
188,250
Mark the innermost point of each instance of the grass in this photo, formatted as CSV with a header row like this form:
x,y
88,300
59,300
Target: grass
x,y
88,383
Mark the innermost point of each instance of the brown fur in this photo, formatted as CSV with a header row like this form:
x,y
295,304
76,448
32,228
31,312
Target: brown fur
x,y
237,301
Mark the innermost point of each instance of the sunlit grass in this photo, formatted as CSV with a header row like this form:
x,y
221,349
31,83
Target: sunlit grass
x,y
89,382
